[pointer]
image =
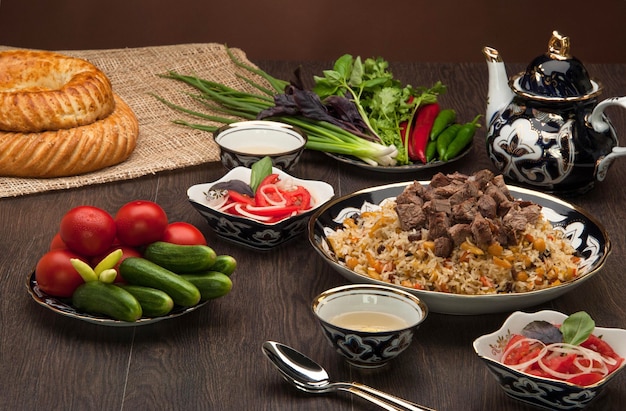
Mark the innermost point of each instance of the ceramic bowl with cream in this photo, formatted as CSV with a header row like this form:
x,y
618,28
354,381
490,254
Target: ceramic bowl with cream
x,y
369,324
246,142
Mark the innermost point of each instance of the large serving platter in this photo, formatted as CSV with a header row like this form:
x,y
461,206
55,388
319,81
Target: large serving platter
x,y
64,307
587,236
398,169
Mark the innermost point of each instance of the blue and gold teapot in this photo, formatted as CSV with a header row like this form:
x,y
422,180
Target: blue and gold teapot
x,y
546,129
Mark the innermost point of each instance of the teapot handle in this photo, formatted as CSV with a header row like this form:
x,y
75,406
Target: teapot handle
x,y
596,119
600,125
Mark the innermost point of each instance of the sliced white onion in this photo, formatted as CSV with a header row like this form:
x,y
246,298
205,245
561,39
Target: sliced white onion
x,y
241,210
547,351
261,192
226,207
524,365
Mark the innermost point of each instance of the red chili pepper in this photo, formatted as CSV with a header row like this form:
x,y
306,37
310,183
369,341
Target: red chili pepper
x,y
272,211
421,132
240,198
299,197
269,195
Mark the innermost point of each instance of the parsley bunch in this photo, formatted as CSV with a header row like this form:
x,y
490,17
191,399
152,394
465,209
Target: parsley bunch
x,y
383,102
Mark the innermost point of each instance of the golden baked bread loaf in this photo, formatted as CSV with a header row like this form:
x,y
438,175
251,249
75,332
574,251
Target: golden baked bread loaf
x,y
72,151
41,91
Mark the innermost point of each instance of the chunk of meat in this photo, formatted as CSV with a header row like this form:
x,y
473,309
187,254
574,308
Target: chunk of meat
x,y
464,212
411,216
487,206
457,207
438,225
440,180
443,247
460,233
412,194
481,231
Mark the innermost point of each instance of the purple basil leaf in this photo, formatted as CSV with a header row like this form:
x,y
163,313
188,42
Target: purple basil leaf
x,y
543,331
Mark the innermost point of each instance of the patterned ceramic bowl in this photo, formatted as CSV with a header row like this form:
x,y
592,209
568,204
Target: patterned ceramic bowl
x,y
369,324
246,142
250,232
539,391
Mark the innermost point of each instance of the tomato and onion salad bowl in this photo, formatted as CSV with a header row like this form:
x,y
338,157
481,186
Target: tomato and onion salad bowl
x,y
252,233
537,390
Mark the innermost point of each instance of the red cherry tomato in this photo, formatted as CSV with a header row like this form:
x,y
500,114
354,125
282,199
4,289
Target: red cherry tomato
x,y
126,252
87,230
55,274
184,234
57,242
140,222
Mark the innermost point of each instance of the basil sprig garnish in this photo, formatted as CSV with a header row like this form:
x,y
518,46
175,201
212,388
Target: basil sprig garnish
x,y
259,171
577,328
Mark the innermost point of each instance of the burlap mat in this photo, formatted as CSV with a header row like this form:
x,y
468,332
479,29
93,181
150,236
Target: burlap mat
x,y
162,145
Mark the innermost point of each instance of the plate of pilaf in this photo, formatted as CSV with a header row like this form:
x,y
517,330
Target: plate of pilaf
x,y
464,244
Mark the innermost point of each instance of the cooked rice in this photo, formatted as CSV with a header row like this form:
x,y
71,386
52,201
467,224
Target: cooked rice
x,y
373,244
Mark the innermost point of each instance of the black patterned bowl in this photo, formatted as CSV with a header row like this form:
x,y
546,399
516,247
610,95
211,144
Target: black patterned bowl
x,y
369,324
535,390
246,142
247,231
584,232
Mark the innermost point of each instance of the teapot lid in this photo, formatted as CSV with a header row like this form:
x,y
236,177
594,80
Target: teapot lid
x,y
556,75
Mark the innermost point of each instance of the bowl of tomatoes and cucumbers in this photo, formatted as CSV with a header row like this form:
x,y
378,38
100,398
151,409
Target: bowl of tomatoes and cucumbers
x,y
131,268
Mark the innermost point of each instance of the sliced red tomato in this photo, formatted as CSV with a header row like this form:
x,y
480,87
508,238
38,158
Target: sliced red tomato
x,y
560,363
599,345
586,379
522,352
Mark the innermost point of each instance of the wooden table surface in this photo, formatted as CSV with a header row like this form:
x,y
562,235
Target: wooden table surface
x,y
211,359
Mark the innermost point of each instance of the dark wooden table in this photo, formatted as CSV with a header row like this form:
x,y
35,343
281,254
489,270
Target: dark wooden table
x,y
211,359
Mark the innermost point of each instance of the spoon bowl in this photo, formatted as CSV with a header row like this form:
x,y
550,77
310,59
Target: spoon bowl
x,y
308,376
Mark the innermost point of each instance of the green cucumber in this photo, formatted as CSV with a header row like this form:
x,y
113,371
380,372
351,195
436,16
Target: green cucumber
x,y
180,258
96,297
224,264
154,302
139,271
211,285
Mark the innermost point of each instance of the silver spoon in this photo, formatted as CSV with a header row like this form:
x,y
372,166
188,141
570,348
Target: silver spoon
x,y
306,375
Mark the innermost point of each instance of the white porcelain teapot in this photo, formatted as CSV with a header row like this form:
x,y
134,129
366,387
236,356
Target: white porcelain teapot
x,y
545,127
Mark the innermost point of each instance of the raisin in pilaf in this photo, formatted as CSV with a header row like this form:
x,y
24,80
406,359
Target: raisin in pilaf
x,y
459,234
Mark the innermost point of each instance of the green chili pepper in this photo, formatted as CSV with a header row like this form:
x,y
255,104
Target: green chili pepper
x,y
445,138
431,151
443,120
462,139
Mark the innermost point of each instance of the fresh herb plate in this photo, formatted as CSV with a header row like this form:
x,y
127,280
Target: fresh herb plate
x,y
64,307
398,169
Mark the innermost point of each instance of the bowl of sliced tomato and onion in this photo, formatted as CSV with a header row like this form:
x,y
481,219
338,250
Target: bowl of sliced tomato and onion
x,y
260,207
553,360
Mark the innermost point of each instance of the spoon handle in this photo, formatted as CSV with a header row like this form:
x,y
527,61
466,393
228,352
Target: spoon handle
x,y
408,405
371,398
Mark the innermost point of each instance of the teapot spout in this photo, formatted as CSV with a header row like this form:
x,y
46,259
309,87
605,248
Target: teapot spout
x,y
499,94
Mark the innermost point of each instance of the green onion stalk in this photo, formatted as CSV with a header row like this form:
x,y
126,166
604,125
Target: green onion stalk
x,y
229,105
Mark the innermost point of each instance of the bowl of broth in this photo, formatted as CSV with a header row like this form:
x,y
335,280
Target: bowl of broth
x,y
245,142
369,324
